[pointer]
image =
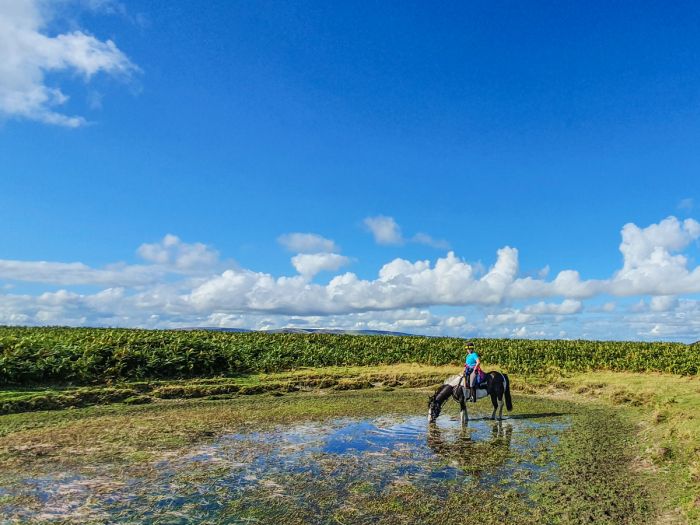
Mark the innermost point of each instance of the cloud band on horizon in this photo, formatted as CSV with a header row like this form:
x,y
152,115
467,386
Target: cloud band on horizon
x,y
652,267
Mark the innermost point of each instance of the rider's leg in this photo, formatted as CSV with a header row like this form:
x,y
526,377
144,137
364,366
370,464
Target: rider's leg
x,y
472,383
467,383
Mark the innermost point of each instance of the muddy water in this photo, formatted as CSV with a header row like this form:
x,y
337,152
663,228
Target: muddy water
x,y
311,470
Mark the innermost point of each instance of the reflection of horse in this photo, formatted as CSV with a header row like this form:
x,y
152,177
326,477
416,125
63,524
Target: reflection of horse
x,y
473,456
497,386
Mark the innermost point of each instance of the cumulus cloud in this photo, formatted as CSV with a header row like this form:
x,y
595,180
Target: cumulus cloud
x,y
384,229
650,265
309,264
400,284
307,243
28,54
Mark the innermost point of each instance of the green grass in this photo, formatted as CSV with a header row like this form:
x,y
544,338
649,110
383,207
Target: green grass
x,y
665,410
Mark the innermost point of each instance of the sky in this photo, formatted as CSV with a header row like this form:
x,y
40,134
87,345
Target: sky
x,y
468,169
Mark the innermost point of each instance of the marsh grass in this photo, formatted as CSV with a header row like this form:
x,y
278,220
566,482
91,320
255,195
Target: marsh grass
x,y
644,427
306,379
663,413
114,450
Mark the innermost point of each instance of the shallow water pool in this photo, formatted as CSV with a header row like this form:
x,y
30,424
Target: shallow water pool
x,y
310,472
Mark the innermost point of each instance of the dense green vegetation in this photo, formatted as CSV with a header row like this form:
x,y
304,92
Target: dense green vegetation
x,y
88,355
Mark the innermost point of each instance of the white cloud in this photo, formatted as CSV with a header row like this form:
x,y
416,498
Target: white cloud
x,y
400,284
650,267
68,274
520,332
663,303
385,230
566,307
28,53
186,284
171,251
513,317
309,264
455,321
307,243
679,321
686,205
170,255
424,238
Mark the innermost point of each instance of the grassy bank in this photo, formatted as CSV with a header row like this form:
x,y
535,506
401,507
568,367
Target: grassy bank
x,y
15,400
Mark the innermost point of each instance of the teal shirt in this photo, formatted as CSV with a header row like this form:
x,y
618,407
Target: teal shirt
x,y
471,359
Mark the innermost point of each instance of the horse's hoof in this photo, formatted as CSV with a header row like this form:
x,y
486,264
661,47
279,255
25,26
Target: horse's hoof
x,y
493,418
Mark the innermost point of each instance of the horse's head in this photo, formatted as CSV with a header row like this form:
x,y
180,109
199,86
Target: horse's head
x,y
434,408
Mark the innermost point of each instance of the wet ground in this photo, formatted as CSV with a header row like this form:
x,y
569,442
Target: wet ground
x,y
338,471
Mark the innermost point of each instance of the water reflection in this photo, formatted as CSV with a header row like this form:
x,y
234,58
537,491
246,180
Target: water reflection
x,y
461,450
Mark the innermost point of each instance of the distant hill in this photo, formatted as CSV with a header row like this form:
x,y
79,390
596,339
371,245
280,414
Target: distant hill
x,y
332,331
213,329
301,331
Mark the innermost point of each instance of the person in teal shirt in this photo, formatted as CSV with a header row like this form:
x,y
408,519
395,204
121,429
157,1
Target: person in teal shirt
x,y
471,370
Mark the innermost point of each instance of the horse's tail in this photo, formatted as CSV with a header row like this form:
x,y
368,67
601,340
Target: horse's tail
x,y
509,401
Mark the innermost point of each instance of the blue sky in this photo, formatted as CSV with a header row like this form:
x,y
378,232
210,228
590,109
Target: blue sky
x,y
165,151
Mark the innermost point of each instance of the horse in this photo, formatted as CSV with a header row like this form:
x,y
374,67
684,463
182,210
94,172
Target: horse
x,y
497,386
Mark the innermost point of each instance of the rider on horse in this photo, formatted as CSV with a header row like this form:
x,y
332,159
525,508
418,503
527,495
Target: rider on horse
x,y
472,371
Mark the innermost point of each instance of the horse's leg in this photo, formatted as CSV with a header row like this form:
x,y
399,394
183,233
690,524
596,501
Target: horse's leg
x,y
493,402
463,415
500,405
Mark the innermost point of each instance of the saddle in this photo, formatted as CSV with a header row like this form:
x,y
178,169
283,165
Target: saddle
x,y
482,382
